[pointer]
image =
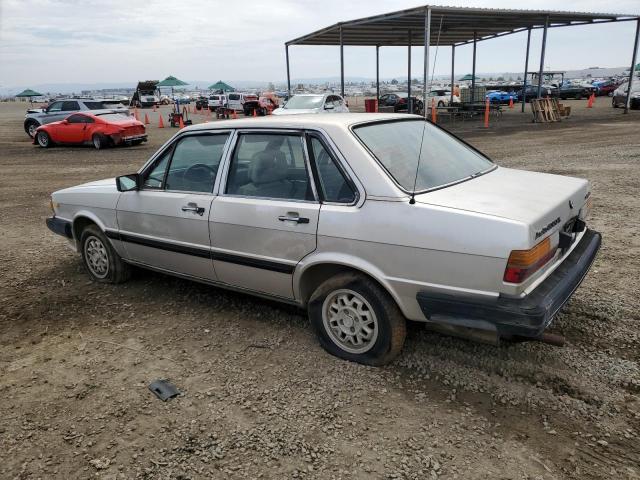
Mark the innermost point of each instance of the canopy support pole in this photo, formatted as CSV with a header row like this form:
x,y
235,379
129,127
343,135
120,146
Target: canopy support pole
x,y
427,45
286,49
544,48
377,73
341,65
473,68
526,70
627,103
453,69
409,102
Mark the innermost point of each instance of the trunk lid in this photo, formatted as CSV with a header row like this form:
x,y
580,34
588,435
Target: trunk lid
x,y
543,201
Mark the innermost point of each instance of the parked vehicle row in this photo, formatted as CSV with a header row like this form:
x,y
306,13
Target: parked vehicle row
x,y
313,103
60,109
100,128
348,217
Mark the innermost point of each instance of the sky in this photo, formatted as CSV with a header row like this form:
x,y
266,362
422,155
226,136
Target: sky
x,y
96,41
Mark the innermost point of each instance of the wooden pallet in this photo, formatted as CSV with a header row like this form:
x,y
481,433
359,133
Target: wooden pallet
x,y
545,110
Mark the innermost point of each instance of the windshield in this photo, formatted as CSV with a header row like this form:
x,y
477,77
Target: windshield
x,y
444,159
305,101
114,117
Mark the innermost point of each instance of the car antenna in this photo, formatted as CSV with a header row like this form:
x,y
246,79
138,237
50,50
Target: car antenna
x,y
412,200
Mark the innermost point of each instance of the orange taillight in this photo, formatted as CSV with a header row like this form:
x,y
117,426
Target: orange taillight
x,y
522,263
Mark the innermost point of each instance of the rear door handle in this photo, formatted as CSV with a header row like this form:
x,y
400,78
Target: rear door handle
x,y
293,217
193,207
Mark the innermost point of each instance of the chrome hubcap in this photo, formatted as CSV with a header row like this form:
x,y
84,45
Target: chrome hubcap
x,y
32,129
43,139
350,321
96,255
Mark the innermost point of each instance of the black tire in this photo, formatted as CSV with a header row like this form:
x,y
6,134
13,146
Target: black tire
x,y
43,139
391,324
614,104
30,127
117,271
441,103
99,141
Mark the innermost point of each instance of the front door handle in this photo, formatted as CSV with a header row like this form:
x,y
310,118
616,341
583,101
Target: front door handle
x,y
293,217
193,207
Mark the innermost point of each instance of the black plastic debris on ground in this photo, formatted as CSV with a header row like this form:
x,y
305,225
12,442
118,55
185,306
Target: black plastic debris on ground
x,y
163,389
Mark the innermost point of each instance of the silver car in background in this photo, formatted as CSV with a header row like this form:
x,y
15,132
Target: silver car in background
x,y
365,220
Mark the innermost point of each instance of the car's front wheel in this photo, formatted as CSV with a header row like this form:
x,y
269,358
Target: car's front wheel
x,y
356,319
43,139
100,259
31,127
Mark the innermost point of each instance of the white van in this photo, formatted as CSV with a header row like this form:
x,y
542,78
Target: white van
x,y
244,102
217,100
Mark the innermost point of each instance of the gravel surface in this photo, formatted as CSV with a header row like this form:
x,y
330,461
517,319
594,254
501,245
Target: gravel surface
x,y
259,397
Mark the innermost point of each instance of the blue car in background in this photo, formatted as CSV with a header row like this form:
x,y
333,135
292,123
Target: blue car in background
x,y
500,96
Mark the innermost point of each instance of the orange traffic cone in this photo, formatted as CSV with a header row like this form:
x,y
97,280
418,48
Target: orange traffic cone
x,y
181,123
434,114
592,98
160,122
255,112
510,102
486,114
146,119
234,115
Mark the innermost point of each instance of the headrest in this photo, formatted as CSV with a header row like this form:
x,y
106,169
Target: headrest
x,y
267,167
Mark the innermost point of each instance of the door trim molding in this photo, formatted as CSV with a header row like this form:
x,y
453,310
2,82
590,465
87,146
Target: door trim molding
x,y
247,261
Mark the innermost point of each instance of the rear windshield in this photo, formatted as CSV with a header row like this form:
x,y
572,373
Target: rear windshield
x,y
444,159
114,117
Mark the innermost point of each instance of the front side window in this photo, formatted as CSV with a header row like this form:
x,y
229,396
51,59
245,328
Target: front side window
x,y
154,177
269,166
397,146
333,184
195,162
55,107
75,119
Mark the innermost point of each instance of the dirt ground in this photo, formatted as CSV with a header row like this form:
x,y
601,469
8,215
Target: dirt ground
x,y
260,398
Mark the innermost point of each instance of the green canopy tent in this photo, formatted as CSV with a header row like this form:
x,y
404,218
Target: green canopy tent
x,y
28,93
222,87
467,77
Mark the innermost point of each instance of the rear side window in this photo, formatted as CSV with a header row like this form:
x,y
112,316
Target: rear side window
x,y
95,105
269,166
234,96
70,106
333,184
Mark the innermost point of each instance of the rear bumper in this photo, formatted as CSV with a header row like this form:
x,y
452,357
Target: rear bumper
x,y
60,226
521,317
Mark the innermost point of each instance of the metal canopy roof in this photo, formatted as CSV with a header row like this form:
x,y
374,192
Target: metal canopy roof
x,y
453,26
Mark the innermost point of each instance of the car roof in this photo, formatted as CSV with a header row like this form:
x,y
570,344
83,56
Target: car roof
x,y
301,121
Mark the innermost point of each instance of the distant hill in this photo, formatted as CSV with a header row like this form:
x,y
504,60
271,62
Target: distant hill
x,y
77,88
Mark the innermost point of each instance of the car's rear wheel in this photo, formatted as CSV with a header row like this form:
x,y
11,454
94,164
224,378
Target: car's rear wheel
x,y
31,128
441,103
43,139
100,259
99,142
356,319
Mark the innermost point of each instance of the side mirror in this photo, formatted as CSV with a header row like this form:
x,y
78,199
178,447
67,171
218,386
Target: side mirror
x,y
65,121
128,183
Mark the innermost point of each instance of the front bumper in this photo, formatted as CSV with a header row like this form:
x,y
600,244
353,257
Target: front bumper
x,y
60,226
520,317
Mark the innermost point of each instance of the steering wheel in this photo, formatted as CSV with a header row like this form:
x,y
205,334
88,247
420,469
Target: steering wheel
x,y
196,171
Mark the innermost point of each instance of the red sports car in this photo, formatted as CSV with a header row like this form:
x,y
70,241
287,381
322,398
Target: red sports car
x,y
100,129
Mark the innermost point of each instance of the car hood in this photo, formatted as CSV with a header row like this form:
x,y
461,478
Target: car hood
x,y
294,111
535,199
